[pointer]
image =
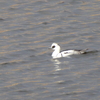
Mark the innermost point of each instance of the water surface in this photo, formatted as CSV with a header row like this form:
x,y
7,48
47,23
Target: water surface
x,y
28,28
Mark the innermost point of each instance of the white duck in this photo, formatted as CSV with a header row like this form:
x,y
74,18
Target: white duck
x,y
58,54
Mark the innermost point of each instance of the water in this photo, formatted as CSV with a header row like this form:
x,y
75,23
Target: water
x,y
28,28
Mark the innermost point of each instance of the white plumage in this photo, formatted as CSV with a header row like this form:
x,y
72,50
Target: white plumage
x,y
58,54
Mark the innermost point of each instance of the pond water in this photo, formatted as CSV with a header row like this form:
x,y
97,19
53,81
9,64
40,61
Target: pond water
x,y
27,30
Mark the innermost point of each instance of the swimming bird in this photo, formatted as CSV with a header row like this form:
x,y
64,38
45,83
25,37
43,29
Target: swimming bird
x,y
57,53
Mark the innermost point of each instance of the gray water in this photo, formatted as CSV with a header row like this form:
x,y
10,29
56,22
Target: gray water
x,y
28,28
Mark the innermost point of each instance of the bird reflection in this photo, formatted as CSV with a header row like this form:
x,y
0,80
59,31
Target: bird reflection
x,y
56,64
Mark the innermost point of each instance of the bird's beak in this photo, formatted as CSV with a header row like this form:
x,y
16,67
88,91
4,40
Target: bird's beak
x,y
50,48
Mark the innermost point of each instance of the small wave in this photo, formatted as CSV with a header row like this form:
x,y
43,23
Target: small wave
x,y
1,19
25,91
92,52
12,62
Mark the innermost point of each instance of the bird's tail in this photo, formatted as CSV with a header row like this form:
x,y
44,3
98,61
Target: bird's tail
x,y
84,51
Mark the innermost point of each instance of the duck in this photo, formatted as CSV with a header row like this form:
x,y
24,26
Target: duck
x,y
57,53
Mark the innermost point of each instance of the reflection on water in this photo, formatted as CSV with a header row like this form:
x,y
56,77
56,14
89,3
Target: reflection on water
x,y
56,64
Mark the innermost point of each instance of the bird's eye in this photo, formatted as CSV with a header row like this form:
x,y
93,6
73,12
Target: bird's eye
x,y
53,46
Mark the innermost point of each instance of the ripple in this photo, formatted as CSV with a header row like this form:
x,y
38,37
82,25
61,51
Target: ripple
x,y
65,82
28,28
1,19
13,62
23,91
